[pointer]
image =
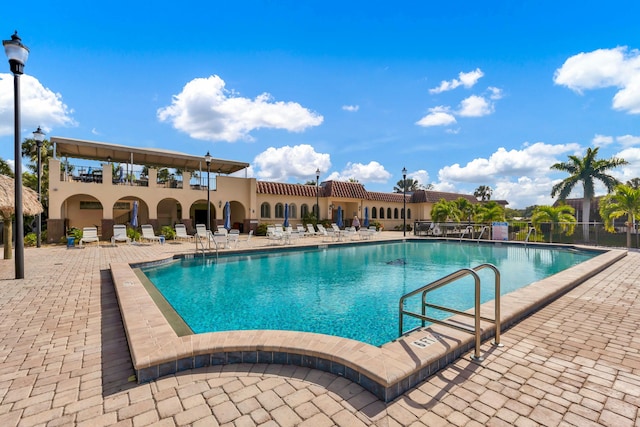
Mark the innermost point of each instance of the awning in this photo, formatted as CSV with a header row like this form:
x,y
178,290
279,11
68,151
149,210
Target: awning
x,y
102,151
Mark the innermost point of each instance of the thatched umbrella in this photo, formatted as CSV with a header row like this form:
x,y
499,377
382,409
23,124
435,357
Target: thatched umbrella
x,y
30,206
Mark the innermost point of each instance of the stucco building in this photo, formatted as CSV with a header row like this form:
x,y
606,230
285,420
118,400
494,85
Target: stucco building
x,y
96,184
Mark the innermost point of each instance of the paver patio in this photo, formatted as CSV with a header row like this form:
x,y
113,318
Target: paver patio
x,y
65,361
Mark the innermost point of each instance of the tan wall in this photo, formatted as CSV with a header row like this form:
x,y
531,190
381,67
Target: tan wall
x,y
160,205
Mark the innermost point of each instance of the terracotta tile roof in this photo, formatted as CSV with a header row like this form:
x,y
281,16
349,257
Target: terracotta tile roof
x,y
264,187
387,197
348,190
428,196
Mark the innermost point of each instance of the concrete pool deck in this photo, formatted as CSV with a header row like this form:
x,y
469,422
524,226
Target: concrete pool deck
x,y
65,360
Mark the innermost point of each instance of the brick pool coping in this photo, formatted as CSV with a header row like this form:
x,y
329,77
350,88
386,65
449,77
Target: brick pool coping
x,y
386,371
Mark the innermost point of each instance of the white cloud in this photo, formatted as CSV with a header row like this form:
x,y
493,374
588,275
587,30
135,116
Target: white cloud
x,y
475,106
453,131
422,176
39,106
206,110
602,68
438,116
533,160
602,140
495,93
628,140
630,171
299,162
371,172
464,79
351,108
524,192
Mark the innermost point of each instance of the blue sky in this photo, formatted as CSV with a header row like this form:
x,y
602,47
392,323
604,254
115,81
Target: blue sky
x,y
461,94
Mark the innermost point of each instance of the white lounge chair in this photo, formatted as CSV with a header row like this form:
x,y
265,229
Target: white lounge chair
x,y
89,234
148,234
220,240
181,233
311,231
120,234
233,237
275,234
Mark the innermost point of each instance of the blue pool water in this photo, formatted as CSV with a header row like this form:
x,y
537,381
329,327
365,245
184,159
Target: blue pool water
x,y
347,291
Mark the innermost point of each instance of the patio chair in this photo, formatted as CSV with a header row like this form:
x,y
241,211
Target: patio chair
x,y
89,234
148,234
120,234
311,231
233,237
181,233
275,234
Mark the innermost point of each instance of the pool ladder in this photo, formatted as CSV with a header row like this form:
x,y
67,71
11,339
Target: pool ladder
x,y
476,314
200,246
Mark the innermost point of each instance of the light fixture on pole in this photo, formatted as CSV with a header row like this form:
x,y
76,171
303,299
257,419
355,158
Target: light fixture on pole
x,y
38,135
404,200
207,159
17,54
317,196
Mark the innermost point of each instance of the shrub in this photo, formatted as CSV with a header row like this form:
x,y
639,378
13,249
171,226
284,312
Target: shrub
x,y
133,234
168,231
30,239
261,230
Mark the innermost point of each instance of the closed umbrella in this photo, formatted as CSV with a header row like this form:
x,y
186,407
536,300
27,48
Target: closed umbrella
x,y
365,223
286,214
339,222
134,214
227,216
30,206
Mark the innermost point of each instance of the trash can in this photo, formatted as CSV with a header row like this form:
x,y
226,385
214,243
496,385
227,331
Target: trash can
x,y
70,241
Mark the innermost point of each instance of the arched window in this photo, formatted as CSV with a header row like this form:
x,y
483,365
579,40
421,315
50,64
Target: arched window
x,y
293,211
402,213
408,213
389,213
279,210
265,210
395,212
374,213
316,211
381,213
304,210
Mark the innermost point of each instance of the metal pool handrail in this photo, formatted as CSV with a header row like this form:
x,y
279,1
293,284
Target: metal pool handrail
x,y
476,314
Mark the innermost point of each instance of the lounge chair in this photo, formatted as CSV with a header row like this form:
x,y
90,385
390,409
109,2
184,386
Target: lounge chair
x,y
148,234
181,233
220,240
311,231
233,237
120,234
275,234
248,239
203,236
89,234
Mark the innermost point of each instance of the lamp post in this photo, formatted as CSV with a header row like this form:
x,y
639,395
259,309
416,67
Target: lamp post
x,y
17,54
207,159
404,201
38,135
317,196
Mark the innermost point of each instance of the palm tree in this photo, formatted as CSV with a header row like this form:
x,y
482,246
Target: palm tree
x,y
490,212
443,211
466,208
561,214
5,169
625,200
587,170
633,183
409,184
483,193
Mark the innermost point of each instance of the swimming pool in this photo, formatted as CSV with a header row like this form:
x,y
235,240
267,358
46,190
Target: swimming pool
x,y
346,291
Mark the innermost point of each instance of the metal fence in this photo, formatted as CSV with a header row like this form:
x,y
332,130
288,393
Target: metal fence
x,y
591,234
